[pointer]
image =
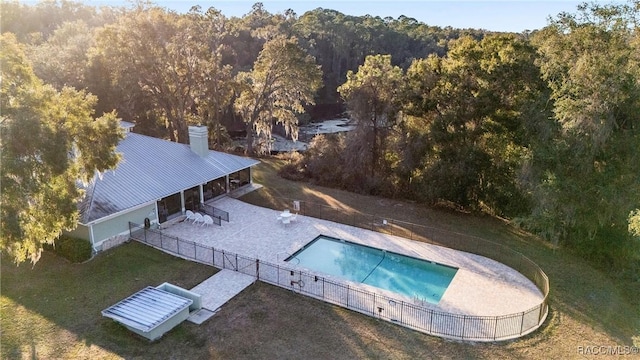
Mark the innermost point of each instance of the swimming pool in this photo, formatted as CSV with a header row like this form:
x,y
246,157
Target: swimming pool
x,y
409,276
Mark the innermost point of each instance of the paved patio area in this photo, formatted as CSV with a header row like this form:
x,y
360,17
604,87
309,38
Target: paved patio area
x,y
481,287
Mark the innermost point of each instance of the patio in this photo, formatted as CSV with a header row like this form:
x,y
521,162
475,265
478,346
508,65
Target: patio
x,y
481,287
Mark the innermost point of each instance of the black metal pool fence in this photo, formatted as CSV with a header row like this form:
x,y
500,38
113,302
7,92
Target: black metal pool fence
x,y
414,316
427,234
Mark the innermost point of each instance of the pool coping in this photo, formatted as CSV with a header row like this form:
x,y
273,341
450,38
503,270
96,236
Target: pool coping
x,y
343,277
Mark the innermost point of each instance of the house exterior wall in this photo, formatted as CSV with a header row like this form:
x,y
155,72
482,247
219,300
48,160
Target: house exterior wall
x,y
114,231
81,232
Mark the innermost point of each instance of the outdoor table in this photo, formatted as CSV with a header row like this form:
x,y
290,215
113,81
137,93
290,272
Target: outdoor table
x,y
286,217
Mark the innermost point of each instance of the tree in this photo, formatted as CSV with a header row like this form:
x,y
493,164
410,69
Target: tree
x,y
331,37
372,97
471,121
63,59
591,183
49,142
173,60
284,78
217,86
33,24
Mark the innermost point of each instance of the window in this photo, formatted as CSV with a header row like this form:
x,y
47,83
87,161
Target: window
x,y
215,188
239,178
192,198
168,207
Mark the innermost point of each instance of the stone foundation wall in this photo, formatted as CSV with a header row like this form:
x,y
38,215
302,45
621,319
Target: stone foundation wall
x,y
113,242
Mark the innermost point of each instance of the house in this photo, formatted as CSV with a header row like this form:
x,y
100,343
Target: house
x,y
155,182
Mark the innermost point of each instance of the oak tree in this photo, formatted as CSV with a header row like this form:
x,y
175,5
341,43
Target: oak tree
x,y
50,141
372,98
173,61
590,182
283,80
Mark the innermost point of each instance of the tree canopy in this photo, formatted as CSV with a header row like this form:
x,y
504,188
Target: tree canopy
x,y
50,141
372,96
172,62
284,78
589,180
539,128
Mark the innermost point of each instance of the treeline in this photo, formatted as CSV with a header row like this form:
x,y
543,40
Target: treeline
x,y
125,56
541,128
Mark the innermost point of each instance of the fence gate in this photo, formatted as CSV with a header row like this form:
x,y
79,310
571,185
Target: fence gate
x,y
230,261
296,282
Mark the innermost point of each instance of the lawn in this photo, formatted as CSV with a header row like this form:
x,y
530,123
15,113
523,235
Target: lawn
x,y
52,310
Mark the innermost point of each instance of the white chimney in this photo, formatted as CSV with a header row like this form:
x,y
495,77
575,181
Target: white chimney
x,y
198,140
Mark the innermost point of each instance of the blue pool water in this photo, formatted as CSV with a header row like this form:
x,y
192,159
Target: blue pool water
x,y
390,271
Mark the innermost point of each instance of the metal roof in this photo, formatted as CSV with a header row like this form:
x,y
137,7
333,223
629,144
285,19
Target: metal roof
x,y
151,169
147,309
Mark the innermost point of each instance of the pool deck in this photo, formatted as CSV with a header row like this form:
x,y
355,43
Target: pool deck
x,y
481,287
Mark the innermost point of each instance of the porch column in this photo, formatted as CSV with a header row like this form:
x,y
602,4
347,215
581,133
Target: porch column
x,y
201,188
182,201
226,184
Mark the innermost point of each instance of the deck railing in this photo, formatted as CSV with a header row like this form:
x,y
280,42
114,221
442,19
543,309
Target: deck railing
x,y
214,211
216,214
414,316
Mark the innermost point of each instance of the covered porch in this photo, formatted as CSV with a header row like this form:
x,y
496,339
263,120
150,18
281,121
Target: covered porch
x,y
193,199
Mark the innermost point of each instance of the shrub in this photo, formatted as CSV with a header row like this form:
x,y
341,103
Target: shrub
x,y
73,249
324,162
294,167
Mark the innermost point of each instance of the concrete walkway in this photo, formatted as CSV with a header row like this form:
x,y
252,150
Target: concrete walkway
x,y
222,287
216,291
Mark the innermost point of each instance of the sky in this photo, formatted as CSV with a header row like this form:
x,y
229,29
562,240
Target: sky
x,y
495,15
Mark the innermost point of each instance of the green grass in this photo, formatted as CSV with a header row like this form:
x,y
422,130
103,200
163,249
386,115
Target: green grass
x,y
52,310
596,305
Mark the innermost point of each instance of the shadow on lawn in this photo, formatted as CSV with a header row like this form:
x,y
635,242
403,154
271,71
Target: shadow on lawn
x,y
590,297
577,289
264,321
52,307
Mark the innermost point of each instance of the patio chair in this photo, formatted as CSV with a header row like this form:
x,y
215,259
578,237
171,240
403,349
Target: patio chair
x,y
198,218
189,215
294,217
207,220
